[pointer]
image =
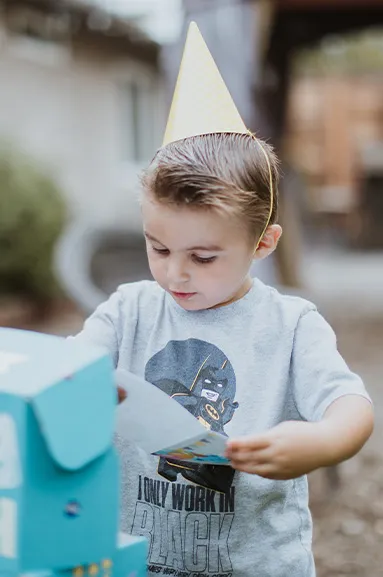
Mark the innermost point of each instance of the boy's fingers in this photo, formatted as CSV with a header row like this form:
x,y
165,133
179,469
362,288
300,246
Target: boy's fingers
x,y
250,457
248,444
122,394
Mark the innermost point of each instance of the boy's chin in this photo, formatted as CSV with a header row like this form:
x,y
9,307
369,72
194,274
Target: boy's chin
x,y
192,304
189,305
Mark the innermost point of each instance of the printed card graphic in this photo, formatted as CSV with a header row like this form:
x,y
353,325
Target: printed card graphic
x,y
10,466
205,450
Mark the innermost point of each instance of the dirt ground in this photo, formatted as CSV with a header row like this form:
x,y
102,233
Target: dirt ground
x,y
348,521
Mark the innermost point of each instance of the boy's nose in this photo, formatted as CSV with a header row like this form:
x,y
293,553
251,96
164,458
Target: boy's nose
x,y
177,272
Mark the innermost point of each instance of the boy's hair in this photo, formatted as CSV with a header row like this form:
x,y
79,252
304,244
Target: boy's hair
x,y
224,171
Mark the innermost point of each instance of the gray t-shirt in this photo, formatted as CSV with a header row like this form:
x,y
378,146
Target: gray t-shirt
x,y
241,369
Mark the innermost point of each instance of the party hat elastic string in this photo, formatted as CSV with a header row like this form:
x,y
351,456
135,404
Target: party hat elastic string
x,y
271,188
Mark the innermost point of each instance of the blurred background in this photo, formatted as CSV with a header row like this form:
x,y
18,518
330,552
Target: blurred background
x,y
85,88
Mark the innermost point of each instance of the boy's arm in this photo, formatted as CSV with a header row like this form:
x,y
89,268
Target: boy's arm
x,y
347,425
103,328
327,395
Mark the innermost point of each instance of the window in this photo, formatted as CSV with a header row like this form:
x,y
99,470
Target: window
x,y
138,105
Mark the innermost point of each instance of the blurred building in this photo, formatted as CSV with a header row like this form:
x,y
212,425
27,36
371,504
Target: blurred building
x,y
334,133
331,120
80,91
160,19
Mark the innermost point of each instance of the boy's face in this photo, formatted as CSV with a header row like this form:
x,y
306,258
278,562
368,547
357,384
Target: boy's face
x,y
198,256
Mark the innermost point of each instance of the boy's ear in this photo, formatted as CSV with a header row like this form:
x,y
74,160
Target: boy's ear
x,y
268,242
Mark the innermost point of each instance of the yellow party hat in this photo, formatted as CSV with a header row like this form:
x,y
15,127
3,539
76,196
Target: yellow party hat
x,y
201,103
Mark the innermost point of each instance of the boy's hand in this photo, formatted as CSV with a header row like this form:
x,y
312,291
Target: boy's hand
x,y
289,450
295,448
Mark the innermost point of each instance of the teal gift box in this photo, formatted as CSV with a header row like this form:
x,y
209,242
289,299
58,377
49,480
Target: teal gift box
x,y
59,474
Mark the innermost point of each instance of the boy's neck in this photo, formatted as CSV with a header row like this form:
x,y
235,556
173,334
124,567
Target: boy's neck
x,y
245,288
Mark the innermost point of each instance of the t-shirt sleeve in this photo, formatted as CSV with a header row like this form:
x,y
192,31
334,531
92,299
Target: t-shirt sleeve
x,y
103,327
319,373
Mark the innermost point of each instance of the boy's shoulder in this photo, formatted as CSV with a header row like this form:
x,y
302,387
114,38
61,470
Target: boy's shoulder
x,y
284,303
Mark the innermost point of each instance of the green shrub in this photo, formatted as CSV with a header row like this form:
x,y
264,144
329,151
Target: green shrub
x,y
32,215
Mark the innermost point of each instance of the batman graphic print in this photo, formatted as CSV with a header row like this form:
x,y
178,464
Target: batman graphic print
x,y
201,378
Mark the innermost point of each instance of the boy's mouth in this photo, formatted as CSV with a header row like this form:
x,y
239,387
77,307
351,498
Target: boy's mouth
x,y
182,296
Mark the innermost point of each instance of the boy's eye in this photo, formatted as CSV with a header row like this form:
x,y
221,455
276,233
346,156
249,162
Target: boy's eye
x,y
202,260
163,251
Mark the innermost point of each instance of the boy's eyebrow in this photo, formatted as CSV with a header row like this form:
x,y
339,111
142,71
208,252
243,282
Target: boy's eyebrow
x,y
210,248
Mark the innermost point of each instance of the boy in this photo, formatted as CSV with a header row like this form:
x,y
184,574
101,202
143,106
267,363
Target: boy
x,y
257,366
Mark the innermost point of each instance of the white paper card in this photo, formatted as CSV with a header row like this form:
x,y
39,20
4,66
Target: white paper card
x,y
159,425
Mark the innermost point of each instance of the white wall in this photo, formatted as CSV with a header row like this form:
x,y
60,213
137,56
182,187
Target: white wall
x,y
67,113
